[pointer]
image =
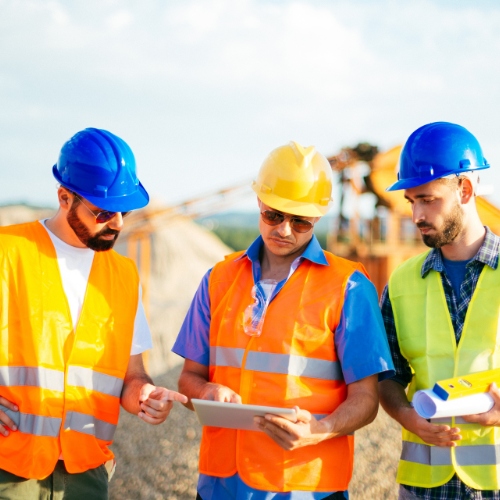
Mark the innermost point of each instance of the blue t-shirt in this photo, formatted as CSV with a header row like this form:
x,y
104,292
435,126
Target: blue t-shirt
x,y
360,342
456,270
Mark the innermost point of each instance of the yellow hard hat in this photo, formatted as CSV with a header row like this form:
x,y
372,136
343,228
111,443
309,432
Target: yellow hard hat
x,y
295,180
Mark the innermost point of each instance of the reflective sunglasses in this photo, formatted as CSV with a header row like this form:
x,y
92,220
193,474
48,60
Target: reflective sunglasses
x,y
101,216
275,219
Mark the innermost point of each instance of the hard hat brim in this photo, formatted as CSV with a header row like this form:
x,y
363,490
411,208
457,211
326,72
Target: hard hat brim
x,y
126,203
420,181
292,207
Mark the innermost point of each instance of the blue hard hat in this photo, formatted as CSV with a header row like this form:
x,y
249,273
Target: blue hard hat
x,y
100,167
437,150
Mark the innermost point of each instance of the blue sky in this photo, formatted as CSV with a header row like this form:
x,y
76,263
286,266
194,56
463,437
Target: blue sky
x,y
202,90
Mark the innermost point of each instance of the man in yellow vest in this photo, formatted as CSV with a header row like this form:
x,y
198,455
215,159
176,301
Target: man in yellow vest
x,y
72,330
441,313
285,324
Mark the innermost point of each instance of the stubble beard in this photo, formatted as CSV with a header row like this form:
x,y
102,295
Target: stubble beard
x,y
452,227
92,241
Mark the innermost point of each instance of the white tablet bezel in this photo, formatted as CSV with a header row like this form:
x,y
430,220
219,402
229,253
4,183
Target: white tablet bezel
x,y
235,415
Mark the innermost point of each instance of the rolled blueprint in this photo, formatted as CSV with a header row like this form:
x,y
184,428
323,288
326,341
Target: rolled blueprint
x,y
429,405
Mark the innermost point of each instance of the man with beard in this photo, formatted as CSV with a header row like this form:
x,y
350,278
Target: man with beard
x,y
285,324
72,330
441,314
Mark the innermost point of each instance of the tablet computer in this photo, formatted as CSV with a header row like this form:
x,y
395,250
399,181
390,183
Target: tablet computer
x,y
235,415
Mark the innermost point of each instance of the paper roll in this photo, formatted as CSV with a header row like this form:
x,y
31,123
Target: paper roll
x,y
428,405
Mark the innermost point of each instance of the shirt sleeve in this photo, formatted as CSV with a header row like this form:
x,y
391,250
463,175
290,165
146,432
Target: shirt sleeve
x,y
360,339
403,373
142,340
193,341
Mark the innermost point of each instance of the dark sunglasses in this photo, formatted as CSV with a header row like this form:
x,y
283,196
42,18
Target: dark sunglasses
x,y
275,219
101,216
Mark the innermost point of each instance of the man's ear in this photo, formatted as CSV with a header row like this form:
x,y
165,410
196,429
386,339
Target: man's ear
x,y
65,198
466,191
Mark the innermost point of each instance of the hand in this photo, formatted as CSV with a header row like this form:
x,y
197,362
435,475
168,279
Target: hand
x,y
290,436
492,417
5,419
218,392
438,435
156,403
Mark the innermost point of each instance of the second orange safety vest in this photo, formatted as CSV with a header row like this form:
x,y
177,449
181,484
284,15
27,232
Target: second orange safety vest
x,y
293,362
66,384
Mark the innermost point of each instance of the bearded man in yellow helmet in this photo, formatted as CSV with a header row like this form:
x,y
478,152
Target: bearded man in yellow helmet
x,y
285,324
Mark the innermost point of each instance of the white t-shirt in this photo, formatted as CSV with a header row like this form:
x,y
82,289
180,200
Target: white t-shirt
x,y
74,266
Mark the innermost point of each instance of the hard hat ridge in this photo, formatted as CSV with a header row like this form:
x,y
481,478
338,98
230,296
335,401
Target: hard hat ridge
x,y
304,155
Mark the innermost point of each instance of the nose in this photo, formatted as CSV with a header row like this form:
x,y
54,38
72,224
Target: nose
x,y
417,213
116,222
285,229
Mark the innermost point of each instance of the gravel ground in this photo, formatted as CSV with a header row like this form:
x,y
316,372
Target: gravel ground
x,y
161,462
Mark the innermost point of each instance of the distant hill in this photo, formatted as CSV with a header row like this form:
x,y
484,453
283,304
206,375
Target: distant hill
x,y
238,229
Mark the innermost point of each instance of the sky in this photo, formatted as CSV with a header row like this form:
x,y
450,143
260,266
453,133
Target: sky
x,y
203,90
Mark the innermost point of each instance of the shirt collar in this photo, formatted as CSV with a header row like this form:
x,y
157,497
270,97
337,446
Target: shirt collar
x,y
313,252
488,254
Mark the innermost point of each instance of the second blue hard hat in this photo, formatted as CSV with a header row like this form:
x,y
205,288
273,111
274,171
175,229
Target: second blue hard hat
x,y
437,150
100,167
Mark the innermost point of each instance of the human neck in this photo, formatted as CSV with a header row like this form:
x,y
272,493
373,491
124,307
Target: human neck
x,y
277,267
60,227
467,243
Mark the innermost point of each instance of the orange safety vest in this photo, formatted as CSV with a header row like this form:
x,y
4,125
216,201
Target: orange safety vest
x,y
293,362
67,386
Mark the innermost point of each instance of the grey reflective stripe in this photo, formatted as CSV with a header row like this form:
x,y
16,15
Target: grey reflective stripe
x,y
289,364
88,424
34,424
447,421
39,426
95,381
426,455
226,356
32,376
480,454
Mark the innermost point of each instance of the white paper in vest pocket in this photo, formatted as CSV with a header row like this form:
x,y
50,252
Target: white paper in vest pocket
x,y
235,415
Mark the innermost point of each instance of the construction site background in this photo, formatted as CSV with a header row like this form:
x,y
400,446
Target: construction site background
x,y
173,253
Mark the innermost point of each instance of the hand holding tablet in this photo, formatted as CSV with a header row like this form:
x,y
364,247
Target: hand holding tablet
x,y
235,415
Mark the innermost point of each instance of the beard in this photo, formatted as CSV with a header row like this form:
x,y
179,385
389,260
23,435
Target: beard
x,y
93,241
452,227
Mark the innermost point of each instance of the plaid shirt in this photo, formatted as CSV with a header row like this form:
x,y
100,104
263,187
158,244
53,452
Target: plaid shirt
x,y
488,255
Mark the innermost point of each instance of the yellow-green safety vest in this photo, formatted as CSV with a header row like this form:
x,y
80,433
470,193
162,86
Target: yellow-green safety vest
x,y
427,340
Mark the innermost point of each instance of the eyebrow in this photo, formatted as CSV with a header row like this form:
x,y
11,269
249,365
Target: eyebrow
x,y
419,196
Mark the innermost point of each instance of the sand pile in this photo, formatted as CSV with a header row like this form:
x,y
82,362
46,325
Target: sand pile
x,y
181,253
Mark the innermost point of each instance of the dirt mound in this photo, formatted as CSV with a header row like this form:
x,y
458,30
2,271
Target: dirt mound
x,y
161,462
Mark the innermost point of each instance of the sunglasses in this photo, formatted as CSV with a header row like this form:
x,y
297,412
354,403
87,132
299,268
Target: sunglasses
x,y
101,216
275,219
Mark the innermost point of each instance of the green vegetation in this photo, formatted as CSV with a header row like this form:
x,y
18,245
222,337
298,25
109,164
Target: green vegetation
x,y
240,238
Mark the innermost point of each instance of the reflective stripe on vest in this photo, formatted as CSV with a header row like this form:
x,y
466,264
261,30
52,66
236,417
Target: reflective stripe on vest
x,y
482,454
88,424
32,376
286,364
431,349
36,425
95,381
